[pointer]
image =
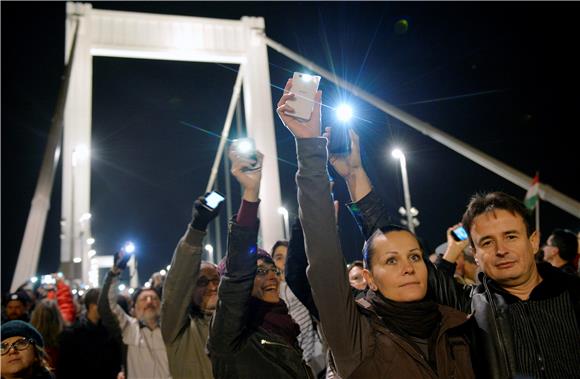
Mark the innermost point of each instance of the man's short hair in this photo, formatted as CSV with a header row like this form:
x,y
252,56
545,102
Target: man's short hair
x,y
91,297
566,242
482,203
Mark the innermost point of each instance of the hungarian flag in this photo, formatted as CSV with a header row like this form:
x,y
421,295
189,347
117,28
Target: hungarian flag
x,y
533,194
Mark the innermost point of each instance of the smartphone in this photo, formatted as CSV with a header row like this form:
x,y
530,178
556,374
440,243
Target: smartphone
x,y
304,88
459,234
339,140
121,263
213,199
246,147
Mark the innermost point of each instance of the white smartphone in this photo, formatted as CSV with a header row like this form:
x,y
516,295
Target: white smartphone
x,y
304,88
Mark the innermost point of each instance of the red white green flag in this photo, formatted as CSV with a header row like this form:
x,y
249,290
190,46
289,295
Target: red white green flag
x,y
533,194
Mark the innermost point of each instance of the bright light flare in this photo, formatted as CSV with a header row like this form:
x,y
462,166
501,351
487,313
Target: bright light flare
x,y
244,146
209,248
90,241
34,279
131,290
77,260
283,211
397,153
91,253
163,272
344,112
122,287
85,217
129,247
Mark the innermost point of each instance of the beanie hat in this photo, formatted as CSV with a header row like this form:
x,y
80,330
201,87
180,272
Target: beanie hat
x,y
17,328
260,254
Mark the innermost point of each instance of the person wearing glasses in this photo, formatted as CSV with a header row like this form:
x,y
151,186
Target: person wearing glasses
x,y
189,300
252,335
23,353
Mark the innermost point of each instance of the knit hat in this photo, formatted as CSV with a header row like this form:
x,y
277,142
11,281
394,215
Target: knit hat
x,y
17,328
260,253
19,296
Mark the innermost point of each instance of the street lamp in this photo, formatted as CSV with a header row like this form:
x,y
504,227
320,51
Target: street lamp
x,y
209,248
409,211
284,212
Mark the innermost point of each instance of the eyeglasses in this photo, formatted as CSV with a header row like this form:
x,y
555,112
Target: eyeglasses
x,y
204,282
263,271
21,344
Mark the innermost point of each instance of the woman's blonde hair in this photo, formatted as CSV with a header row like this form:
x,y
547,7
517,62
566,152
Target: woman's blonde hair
x,y
46,318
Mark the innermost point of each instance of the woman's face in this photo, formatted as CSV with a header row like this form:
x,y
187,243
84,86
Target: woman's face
x,y
397,267
356,279
17,361
266,282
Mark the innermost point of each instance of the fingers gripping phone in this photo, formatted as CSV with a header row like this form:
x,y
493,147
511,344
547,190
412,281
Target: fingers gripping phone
x,y
213,200
122,258
459,234
304,88
339,140
246,147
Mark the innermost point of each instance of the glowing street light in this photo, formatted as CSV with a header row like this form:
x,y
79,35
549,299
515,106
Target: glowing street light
x,y
398,154
344,112
209,248
284,212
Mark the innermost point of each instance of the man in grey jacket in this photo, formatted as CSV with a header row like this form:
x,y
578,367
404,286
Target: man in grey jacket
x,y
189,299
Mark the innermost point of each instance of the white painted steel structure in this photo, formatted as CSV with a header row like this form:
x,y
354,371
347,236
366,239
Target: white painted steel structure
x,y
165,37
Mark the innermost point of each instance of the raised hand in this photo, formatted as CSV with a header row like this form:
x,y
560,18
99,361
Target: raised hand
x,y
202,215
247,172
346,165
300,129
454,247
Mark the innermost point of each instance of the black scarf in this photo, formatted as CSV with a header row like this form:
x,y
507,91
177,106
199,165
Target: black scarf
x,y
417,319
274,318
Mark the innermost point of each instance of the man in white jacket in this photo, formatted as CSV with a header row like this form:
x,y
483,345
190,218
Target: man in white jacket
x,y
146,353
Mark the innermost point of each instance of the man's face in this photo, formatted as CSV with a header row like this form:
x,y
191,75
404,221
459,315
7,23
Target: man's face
x,y
502,247
205,294
15,310
550,251
147,306
356,279
279,257
266,282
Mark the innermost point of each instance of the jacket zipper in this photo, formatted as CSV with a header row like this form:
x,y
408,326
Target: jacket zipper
x,y
304,364
498,332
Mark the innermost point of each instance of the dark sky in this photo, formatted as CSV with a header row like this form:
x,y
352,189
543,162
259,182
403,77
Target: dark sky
x,y
149,165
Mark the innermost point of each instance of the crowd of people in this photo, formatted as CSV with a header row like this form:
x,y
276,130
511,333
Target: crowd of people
x,y
496,305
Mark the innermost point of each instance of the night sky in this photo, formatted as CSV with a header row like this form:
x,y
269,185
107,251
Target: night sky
x,y
503,77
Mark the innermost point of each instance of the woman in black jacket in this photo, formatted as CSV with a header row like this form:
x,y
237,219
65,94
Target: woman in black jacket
x,y
252,334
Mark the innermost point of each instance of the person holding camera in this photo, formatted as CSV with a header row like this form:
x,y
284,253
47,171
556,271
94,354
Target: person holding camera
x,y
190,298
252,335
140,332
396,330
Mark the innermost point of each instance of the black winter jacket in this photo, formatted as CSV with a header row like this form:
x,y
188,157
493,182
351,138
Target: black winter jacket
x,y
236,349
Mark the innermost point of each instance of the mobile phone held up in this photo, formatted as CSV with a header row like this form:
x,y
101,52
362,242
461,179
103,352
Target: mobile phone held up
x,y
304,88
246,147
122,258
339,143
459,234
212,200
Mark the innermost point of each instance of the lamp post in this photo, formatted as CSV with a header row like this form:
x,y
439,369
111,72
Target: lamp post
x,y
409,211
284,212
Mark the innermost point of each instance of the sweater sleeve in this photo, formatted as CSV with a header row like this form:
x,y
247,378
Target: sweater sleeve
x,y
346,330
180,283
229,322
